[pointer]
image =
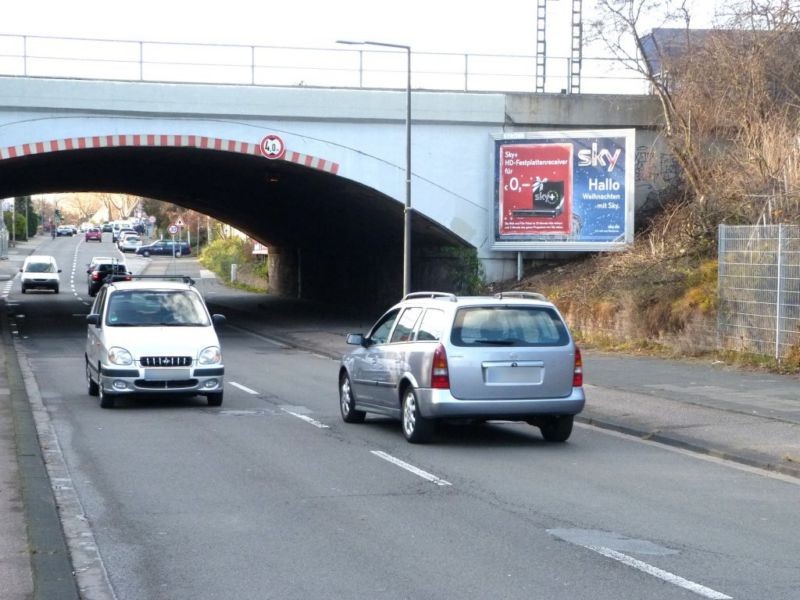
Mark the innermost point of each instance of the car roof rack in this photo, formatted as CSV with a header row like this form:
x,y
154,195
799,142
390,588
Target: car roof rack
x,y
528,295
432,295
184,278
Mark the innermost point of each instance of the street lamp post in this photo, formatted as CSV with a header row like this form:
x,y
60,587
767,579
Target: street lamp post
x,y
407,209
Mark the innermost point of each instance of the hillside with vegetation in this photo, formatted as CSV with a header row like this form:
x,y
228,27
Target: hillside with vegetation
x,y
731,119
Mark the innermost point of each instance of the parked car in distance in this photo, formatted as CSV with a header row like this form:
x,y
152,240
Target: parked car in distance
x,y
165,248
152,337
100,271
65,230
438,356
129,243
117,233
107,228
40,271
93,233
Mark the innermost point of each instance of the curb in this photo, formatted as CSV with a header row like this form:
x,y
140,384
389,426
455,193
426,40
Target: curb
x,y
750,460
50,559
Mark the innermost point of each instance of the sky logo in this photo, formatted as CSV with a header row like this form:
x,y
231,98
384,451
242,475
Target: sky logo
x,y
598,158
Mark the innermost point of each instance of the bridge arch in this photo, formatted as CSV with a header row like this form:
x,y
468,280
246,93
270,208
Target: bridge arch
x,y
330,235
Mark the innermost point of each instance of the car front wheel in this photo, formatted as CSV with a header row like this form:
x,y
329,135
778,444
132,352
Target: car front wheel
x,y
347,403
416,428
214,399
91,386
106,400
146,253
557,429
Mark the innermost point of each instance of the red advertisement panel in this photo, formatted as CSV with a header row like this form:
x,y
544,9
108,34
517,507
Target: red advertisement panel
x,y
535,189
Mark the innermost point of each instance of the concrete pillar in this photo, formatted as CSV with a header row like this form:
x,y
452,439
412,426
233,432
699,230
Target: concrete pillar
x,y
282,267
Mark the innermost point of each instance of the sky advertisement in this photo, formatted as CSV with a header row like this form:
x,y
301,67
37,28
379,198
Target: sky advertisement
x,y
564,190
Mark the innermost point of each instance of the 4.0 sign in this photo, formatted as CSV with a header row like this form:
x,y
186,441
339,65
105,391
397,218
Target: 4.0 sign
x,y
273,147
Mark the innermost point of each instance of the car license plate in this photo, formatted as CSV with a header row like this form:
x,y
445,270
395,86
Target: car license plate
x,y
166,374
513,373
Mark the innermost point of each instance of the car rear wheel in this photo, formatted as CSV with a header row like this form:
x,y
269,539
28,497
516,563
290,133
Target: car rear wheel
x,y
347,403
91,386
416,428
214,399
55,290
557,429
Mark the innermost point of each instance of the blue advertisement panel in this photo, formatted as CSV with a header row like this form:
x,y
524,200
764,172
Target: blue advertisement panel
x,y
564,190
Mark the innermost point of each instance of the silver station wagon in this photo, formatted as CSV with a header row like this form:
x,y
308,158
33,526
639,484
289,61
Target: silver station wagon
x,y
440,356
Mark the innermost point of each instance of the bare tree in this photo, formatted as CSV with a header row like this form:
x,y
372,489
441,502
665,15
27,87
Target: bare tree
x,y
730,99
84,205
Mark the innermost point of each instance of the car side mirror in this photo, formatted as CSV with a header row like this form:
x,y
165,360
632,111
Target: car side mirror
x,y
356,339
93,319
218,320
20,270
59,270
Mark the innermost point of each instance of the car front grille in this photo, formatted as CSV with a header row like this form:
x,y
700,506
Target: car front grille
x,y
166,361
166,385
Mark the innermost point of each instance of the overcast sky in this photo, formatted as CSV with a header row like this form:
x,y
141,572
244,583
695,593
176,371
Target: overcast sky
x,y
426,25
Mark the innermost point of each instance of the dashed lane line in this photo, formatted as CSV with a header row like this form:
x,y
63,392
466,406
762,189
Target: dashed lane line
x,y
411,468
644,567
243,388
307,419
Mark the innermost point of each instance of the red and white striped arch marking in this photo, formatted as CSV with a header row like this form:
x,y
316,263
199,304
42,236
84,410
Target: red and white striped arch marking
x,y
152,140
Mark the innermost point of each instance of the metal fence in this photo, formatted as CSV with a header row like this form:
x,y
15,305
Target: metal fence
x,y
42,56
759,289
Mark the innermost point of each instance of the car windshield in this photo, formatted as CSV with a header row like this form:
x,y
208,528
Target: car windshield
x,y
508,326
40,267
156,308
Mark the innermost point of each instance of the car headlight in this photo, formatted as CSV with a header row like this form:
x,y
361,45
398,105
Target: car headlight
x,y
210,356
119,356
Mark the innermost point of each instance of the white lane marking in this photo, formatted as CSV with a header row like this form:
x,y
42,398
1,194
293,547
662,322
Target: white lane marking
x,y
410,468
243,388
307,419
696,588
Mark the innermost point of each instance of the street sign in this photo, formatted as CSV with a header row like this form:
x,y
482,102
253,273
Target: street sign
x,y
273,147
179,222
173,229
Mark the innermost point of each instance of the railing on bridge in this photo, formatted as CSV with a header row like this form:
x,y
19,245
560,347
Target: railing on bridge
x,y
40,56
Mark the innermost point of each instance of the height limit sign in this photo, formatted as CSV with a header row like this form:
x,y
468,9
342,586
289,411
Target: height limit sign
x,y
273,147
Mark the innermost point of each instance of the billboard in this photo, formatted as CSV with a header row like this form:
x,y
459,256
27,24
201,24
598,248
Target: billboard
x,y
564,190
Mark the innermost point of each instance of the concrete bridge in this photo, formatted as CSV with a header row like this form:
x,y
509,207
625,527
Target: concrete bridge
x,y
331,207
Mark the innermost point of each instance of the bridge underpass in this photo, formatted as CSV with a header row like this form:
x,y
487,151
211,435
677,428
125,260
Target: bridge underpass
x,y
329,237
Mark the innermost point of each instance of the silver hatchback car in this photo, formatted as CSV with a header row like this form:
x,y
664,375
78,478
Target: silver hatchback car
x,y
440,356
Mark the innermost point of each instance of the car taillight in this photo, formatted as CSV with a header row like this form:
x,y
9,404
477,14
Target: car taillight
x,y
96,276
440,376
577,373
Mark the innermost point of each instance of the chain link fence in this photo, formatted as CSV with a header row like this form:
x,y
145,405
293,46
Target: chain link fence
x,y
759,289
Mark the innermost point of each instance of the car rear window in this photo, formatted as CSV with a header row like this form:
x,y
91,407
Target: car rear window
x,y
508,326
